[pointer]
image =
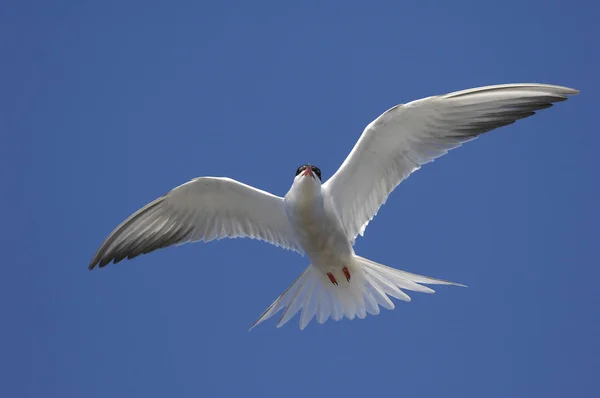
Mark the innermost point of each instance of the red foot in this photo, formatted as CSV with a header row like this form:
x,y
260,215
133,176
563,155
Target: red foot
x,y
332,278
346,273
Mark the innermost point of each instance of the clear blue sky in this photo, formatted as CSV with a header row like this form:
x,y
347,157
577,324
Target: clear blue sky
x,y
106,106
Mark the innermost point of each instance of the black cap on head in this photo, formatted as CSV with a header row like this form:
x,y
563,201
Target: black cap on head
x,y
314,169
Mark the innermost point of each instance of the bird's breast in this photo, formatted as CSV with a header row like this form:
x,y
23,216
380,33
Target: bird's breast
x,y
319,233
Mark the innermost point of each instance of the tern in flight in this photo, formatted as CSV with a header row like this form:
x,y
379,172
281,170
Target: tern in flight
x,y
322,220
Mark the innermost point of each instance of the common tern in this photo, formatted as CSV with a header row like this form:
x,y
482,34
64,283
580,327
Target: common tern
x,y
323,220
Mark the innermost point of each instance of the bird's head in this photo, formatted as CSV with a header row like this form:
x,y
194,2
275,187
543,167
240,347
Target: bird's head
x,y
308,179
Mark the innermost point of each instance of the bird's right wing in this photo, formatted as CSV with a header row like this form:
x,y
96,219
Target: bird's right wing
x,y
203,209
408,136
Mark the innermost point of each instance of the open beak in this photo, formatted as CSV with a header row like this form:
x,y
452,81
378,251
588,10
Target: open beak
x,y
308,172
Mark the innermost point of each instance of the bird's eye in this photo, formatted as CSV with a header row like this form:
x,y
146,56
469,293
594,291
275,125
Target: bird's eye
x,y
300,169
317,171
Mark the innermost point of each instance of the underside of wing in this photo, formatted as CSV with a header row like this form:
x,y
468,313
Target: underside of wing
x,y
408,136
203,209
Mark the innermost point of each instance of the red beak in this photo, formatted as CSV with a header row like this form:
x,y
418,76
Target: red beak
x,y
308,171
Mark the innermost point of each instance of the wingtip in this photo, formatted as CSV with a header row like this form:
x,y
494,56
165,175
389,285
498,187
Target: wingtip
x,y
564,89
569,90
97,263
92,265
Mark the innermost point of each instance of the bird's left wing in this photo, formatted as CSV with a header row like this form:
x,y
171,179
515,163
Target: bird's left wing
x,y
203,209
406,137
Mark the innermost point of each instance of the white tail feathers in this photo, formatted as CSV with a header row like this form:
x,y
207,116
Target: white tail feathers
x,y
370,285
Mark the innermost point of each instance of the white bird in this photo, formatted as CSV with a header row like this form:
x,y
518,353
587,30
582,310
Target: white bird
x,y
323,220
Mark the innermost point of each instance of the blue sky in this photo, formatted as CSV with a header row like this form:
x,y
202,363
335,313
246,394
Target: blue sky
x,y
107,105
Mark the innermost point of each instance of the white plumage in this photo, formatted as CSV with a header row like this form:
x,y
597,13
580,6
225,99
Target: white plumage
x,y
323,221
406,137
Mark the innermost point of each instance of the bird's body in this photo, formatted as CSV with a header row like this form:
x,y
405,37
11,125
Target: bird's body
x,y
324,220
316,226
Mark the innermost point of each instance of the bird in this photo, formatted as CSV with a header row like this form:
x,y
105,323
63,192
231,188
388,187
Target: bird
x,y
323,220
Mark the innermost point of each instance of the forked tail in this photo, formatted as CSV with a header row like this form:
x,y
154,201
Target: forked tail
x,y
369,288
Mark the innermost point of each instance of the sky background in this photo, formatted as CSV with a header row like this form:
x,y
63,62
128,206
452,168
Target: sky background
x,y
105,106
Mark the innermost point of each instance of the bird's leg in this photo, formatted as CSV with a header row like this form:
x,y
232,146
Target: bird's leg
x,y
332,278
346,273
